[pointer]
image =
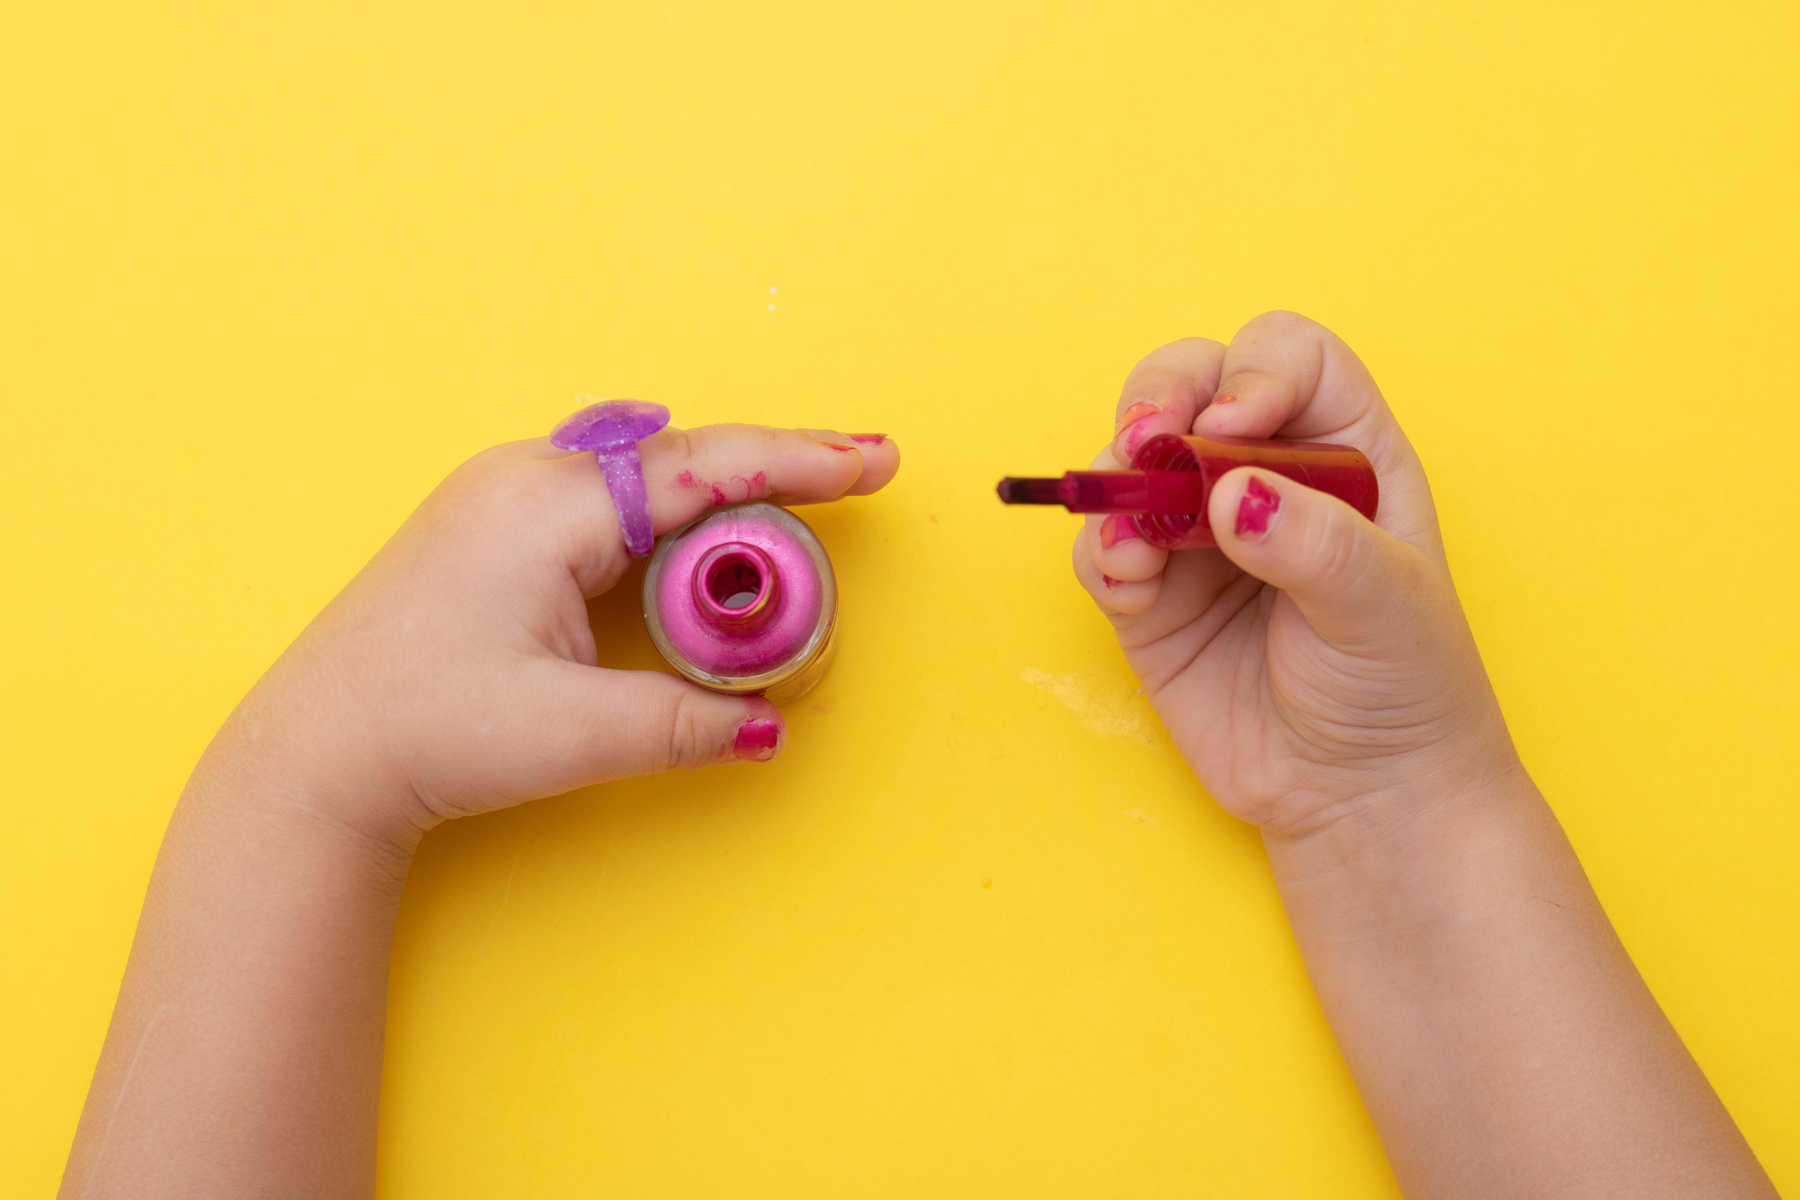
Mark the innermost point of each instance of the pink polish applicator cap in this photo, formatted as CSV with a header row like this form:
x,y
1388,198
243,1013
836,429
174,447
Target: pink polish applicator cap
x,y
1172,478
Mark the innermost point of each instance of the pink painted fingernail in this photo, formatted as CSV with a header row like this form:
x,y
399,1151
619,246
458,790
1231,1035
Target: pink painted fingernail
x,y
868,439
1134,428
1227,398
1256,509
755,741
839,446
1109,581
1119,527
1135,413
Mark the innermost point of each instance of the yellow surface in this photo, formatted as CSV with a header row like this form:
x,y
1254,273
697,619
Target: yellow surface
x,y
268,271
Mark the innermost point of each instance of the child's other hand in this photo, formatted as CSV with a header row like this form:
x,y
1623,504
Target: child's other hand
x,y
1316,665
456,673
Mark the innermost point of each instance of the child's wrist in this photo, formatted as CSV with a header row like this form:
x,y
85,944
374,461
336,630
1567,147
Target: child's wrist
x,y
316,777
1389,834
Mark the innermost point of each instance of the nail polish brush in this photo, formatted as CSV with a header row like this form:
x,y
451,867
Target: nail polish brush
x,y
1172,476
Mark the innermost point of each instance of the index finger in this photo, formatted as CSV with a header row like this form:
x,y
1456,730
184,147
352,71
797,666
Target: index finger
x,y
688,471
1164,392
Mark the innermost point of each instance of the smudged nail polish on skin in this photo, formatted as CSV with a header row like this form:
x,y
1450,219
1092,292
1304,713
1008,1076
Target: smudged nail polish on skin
x,y
735,490
1117,528
755,741
1256,509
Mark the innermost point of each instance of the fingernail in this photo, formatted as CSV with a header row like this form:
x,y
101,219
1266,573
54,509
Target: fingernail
x,y
755,741
868,439
1109,581
1117,528
1132,428
1136,412
1227,398
1259,505
839,446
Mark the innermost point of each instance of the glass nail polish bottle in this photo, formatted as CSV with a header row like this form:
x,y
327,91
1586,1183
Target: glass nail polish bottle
x,y
743,600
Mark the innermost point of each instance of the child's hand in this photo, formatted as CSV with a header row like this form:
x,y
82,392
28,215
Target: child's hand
x,y
1316,665
456,673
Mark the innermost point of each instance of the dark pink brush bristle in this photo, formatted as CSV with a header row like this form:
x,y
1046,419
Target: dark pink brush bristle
x,y
1020,490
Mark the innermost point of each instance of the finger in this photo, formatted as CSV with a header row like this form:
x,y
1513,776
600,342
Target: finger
x,y
880,458
1355,584
1113,542
686,472
1163,394
1114,596
1287,376
599,724
1202,592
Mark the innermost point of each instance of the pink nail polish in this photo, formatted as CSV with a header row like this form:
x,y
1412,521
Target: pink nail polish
x,y
835,445
743,600
755,741
1117,528
1227,398
1109,581
1133,427
1260,503
868,439
1137,412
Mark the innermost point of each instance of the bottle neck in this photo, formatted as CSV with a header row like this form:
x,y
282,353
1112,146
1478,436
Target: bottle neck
x,y
736,586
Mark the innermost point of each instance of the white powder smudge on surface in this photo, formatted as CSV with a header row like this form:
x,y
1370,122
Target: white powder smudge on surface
x,y
1104,703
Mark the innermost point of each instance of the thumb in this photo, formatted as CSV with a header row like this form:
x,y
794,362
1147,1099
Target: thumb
x,y
1354,583
624,723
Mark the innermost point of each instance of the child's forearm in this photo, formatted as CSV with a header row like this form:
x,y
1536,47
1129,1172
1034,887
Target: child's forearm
x,y
244,1057
456,674
1499,1033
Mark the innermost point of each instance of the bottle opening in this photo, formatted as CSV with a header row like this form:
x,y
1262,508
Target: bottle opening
x,y
735,582
735,585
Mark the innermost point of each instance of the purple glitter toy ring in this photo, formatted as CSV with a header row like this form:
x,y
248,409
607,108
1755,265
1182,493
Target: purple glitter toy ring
x,y
612,429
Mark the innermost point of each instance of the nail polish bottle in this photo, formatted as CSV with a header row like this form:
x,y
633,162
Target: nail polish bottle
x,y
742,600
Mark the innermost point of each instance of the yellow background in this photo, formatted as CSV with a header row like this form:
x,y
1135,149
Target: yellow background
x,y
269,271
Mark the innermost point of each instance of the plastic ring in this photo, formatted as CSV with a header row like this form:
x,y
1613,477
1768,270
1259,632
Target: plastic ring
x,y
612,429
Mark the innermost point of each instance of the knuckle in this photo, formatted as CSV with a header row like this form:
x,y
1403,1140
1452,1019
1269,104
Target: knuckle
x,y
686,445
688,744
1328,546
497,482
1283,320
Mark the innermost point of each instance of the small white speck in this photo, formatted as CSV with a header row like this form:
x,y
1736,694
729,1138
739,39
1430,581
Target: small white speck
x,y
771,308
771,291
